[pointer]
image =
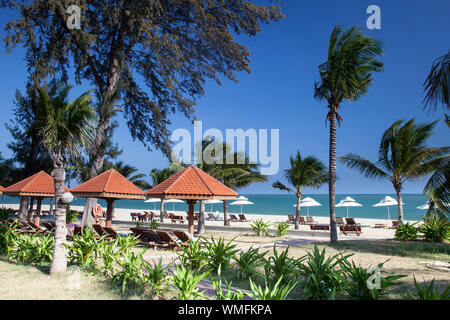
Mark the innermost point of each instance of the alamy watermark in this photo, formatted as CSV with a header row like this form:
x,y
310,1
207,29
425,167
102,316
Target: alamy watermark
x,y
374,20
251,142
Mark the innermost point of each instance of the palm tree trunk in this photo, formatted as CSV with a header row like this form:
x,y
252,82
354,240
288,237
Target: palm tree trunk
x,y
225,213
297,210
201,218
23,209
398,190
59,262
332,176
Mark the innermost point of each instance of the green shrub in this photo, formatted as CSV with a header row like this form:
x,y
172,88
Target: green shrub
x,y
358,281
154,224
321,277
71,216
4,213
435,229
281,228
407,231
259,226
7,237
427,292
229,293
32,249
278,291
219,253
158,279
248,261
280,266
127,242
193,255
131,273
84,250
185,280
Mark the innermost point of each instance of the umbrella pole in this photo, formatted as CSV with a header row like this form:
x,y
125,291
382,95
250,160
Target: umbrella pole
x,y
191,216
389,216
347,212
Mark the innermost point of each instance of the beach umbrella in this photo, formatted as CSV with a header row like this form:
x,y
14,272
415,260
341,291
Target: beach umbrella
x,y
348,202
212,201
154,200
426,206
308,202
173,201
241,203
241,198
387,202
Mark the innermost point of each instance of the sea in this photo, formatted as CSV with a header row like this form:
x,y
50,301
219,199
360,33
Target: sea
x,y
283,204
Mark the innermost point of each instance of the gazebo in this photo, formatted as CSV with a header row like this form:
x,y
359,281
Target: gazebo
x,y
191,184
39,186
110,186
1,190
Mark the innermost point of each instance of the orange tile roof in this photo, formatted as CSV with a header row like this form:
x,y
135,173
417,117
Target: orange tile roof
x,y
40,184
1,189
109,184
191,183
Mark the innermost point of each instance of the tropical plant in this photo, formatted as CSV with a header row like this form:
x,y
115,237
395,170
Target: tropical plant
x,y
425,292
260,227
229,293
7,237
322,279
193,255
345,76
30,249
131,273
278,291
158,277
107,252
66,128
127,242
402,155
437,84
154,224
185,281
248,261
438,188
219,253
435,228
84,249
281,228
281,266
367,284
407,231
304,172
4,213
71,216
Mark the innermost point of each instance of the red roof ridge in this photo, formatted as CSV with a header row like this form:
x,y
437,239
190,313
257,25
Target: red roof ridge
x,y
201,178
181,174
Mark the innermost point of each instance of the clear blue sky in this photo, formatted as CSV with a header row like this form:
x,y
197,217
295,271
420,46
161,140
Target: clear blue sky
x,y
278,93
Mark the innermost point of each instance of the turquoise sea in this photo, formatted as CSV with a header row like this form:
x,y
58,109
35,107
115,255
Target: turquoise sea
x,y
276,204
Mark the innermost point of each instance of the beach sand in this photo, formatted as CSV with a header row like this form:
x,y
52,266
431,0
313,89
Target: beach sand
x,y
368,225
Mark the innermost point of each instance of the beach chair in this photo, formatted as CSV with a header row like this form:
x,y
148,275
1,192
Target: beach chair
x,y
99,229
211,217
111,232
351,221
175,218
242,218
291,218
301,220
394,224
310,220
167,239
133,216
351,229
319,227
185,237
340,221
233,217
37,228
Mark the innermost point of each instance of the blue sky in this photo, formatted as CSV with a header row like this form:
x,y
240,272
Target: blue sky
x,y
278,93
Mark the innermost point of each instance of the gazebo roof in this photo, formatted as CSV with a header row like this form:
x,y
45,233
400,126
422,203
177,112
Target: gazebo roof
x,y
40,184
109,184
191,183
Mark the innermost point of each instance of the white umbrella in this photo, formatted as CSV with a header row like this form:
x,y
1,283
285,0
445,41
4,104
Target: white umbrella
x,y
173,201
212,201
241,203
348,202
308,202
154,200
387,202
241,198
426,206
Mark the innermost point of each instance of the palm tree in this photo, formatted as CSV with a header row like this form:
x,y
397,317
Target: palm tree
x,y
345,76
66,128
307,172
402,155
437,84
238,173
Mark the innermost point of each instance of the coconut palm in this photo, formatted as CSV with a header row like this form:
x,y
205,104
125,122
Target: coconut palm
x,y
304,172
233,169
345,76
66,129
437,84
402,155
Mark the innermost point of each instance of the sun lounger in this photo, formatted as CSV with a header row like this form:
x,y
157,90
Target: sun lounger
x,y
319,226
211,217
111,232
291,218
394,224
175,218
301,220
351,221
340,221
185,237
242,218
167,238
233,217
310,220
37,228
351,229
99,229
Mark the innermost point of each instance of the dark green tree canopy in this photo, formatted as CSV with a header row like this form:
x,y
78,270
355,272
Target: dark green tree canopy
x,y
146,58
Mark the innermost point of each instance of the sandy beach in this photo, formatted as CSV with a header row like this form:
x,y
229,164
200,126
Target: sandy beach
x,y
368,225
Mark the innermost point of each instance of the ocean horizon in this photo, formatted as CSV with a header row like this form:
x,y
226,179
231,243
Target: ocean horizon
x,y
282,204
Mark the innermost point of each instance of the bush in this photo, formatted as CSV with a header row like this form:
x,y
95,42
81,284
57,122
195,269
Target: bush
x,y
193,255
71,216
281,228
248,261
31,249
259,226
4,213
154,224
158,278
277,292
321,278
219,253
407,231
229,294
185,281
435,229
358,280
131,273
427,292
7,237
280,266
84,250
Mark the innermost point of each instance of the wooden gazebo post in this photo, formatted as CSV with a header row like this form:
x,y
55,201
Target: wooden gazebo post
x,y
109,211
191,204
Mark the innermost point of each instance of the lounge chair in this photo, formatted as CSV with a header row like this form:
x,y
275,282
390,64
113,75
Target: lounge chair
x,y
233,217
37,228
340,221
310,220
185,237
243,218
394,224
99,229
319,226
351,221
111,232
211,217
291,218
134,216
350,229
167,239
174,218
301,220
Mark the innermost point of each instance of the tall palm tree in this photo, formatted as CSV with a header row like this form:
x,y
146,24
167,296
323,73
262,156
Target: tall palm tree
x,y
238,173
304,172
402,155
66,128
437,84
345,76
